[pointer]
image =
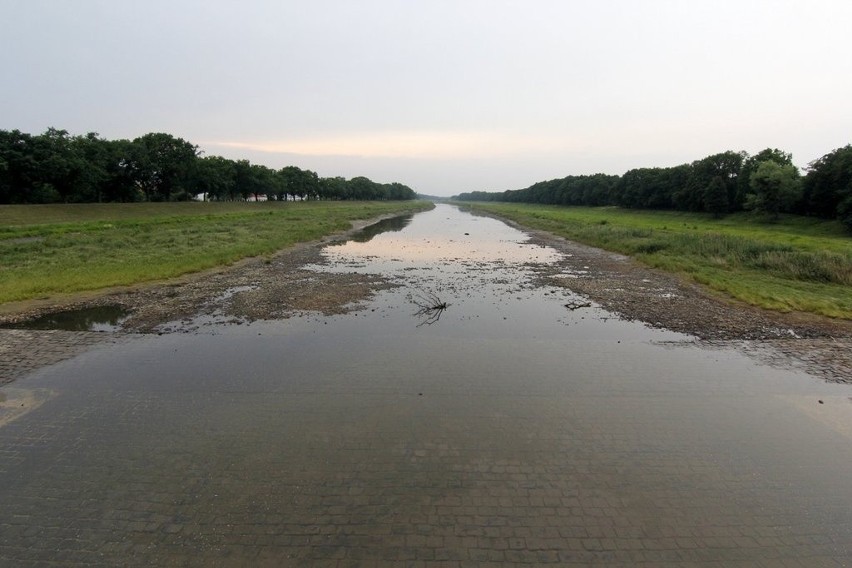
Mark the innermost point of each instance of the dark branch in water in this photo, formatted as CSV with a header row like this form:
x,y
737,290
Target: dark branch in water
x,y
577,305
430,307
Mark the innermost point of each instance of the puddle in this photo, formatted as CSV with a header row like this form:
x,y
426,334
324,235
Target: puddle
x,y
393,224
99,318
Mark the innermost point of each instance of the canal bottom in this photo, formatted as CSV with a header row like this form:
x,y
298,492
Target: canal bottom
x,y
513,430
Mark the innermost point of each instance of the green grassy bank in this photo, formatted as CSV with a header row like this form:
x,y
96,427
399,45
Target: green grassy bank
x,y
796,264
47,250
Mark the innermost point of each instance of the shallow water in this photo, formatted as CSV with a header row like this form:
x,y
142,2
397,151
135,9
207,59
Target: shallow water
x,y
98,318
512,429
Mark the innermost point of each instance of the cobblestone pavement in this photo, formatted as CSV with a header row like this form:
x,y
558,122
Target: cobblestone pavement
x,y
367,465
23,351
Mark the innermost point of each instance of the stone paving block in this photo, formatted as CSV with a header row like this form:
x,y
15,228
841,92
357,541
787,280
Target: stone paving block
x,y
291,475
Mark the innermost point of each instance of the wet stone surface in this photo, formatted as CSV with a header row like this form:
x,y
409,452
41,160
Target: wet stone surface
x,y
25,351
515,430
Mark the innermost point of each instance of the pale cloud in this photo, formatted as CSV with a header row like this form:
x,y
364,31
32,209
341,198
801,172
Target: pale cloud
x,y
411,144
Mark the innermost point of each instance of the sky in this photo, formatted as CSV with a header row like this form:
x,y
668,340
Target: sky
x,y
445,96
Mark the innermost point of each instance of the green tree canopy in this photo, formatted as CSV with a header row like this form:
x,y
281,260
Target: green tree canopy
x,y
775,188
828,184
750,165
56,167
160,165
716,197
215,177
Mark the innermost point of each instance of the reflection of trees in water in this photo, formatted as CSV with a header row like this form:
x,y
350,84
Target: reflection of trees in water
x,y
77,320
394,224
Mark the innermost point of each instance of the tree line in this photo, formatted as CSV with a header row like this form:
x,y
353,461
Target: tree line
x,y
766,182
56,167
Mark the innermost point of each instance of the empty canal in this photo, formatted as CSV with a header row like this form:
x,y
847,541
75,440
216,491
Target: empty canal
x,y
512,423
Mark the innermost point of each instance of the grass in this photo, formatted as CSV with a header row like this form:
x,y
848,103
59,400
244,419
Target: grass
x,y
796,264
48,250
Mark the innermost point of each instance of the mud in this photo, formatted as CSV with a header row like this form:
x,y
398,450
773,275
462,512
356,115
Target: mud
x,y
279,286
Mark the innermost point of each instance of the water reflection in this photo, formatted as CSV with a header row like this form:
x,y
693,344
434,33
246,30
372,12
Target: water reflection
x,y
392,224
99,318
485,270
443,235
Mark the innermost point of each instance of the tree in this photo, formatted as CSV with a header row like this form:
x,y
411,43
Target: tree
x,y
262,181
333,188
844,212
250,179
690,194
160,164
716,197
102,176
750,165
774,188
362,188
215,178
400,192
57,167
828,184
60,167
19,168
46,168
119,185
647,188
292,182
299,183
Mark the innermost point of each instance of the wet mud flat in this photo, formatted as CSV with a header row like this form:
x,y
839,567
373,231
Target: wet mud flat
x,y
526,425
280,286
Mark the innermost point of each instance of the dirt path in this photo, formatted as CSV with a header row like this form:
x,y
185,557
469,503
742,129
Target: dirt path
x,y
281,287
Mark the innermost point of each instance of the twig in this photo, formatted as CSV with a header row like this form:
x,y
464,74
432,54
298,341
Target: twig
x,y
430,307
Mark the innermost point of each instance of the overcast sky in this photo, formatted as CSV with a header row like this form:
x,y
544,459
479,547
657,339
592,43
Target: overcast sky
x,y
442,95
